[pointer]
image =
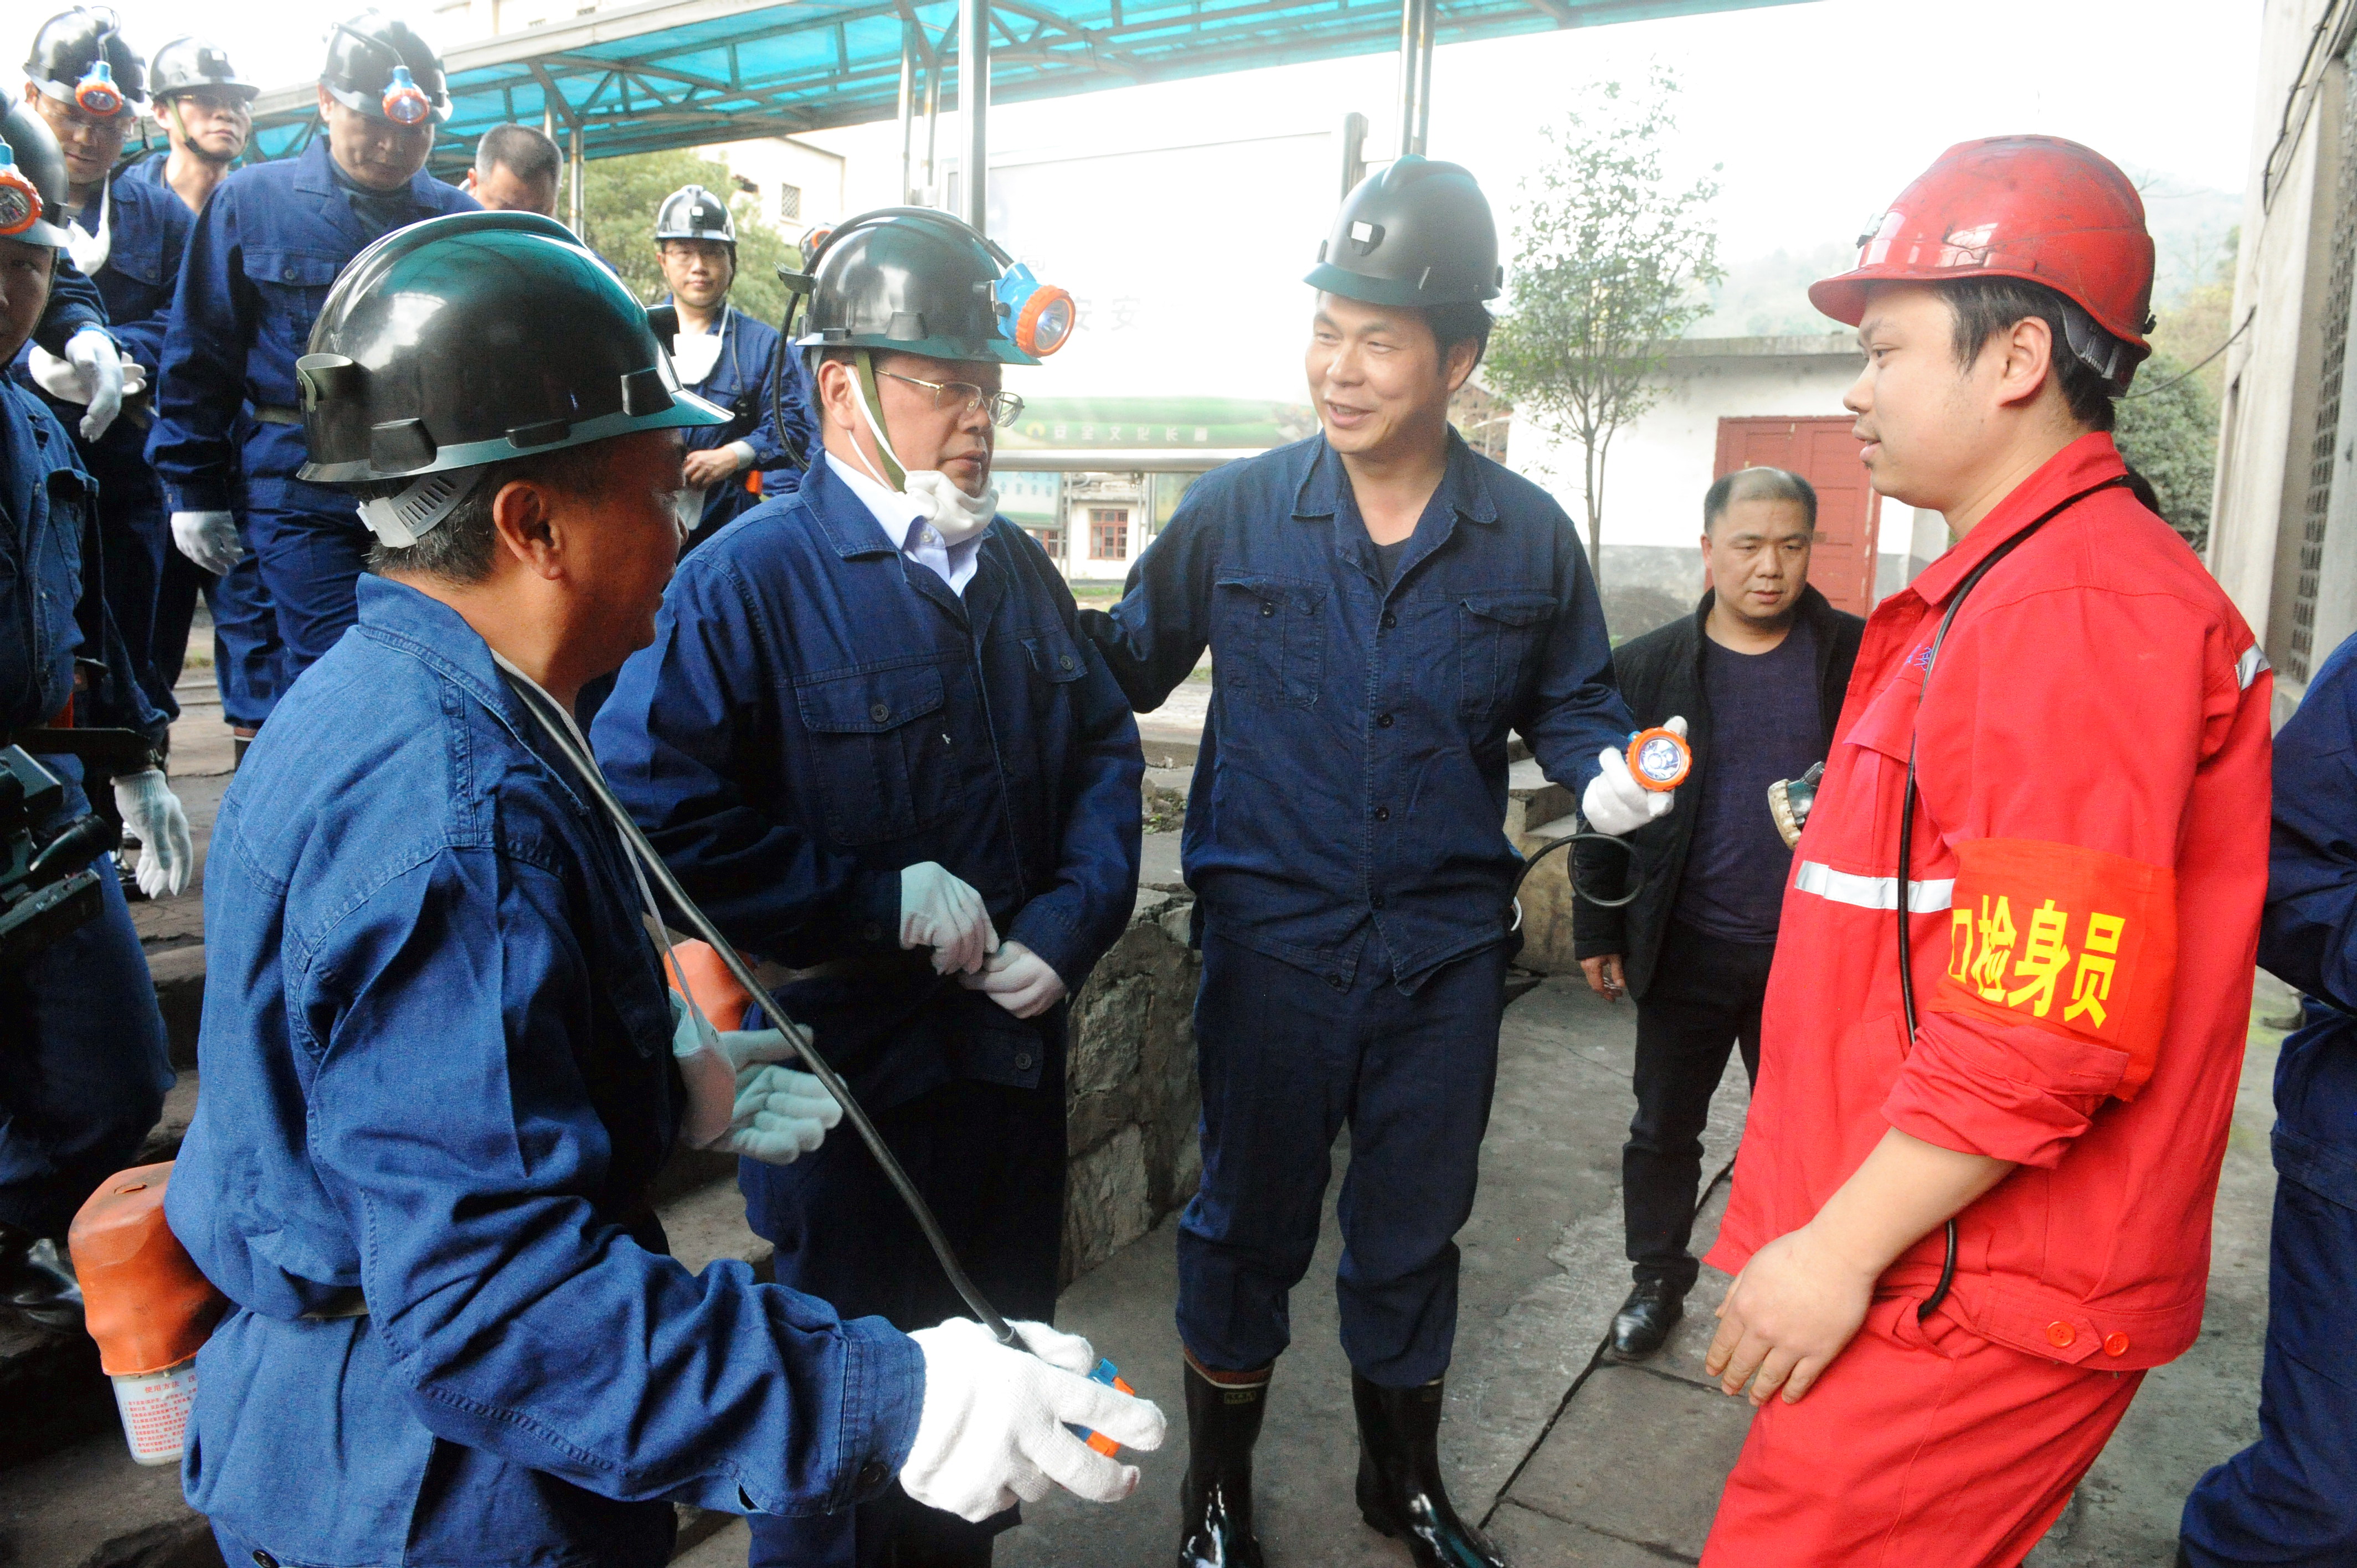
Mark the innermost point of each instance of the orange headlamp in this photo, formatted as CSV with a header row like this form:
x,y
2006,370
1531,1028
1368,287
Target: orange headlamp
x,y
1040,316
95,94
406,103
20,199
1660,760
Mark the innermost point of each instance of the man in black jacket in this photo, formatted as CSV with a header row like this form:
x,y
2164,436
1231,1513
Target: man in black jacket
x,y
1759,669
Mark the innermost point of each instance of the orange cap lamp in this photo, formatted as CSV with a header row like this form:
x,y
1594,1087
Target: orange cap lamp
x,y
147,1305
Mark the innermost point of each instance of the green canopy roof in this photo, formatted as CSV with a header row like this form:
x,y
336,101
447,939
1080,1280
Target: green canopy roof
x,y
673,73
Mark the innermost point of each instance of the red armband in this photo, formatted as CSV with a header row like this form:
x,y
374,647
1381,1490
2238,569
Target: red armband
x,y
2076,941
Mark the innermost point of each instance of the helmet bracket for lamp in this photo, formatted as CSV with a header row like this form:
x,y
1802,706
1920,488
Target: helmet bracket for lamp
x,y
418,508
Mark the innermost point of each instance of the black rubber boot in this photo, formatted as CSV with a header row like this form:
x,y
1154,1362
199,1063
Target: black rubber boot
x,y
1215,1503
36,1279
1400,1492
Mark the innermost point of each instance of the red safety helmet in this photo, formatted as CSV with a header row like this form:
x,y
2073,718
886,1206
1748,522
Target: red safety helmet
x,y
2037,207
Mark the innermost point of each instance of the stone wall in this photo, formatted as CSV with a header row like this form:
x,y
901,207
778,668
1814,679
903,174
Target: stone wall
x,y
1131,1094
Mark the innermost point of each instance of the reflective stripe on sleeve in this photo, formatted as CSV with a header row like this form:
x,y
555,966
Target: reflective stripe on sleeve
x,y
1872,892
2247,668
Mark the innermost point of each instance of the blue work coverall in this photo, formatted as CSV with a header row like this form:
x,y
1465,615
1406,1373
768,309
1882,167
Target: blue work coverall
x,y
264,253
2291,1496
740,382
82,1062
147,232
1345,840
818,711
438,1081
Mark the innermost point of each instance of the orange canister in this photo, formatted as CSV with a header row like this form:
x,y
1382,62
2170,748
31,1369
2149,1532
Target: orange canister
x,y
147,1305
695,969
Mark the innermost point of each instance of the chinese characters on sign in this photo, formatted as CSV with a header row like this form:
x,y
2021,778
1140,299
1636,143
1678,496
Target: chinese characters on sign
x,y
1991,958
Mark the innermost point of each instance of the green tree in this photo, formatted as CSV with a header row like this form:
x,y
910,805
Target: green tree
x,y
2167,431
619,197
2194,327
1611,264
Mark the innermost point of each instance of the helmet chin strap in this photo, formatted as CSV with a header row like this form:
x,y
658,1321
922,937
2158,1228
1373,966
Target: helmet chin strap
x,y
895,477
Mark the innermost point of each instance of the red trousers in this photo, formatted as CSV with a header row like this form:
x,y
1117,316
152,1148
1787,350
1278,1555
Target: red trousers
x,y
1924,1446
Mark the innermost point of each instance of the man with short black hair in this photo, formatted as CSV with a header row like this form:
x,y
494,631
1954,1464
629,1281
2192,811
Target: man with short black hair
x,y
1759,669
517,169
2012,984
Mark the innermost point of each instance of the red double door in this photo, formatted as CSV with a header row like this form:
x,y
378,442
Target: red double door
x,y
1825,453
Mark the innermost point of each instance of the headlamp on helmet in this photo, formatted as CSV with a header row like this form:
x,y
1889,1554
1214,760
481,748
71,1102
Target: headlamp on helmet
x,y
20,199
406,103
96,94
1039,315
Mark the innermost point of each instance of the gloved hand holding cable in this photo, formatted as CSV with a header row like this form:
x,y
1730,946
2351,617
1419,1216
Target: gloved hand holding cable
x,y
941,912
996,1424
1616,802
167,851
739,1099
92,374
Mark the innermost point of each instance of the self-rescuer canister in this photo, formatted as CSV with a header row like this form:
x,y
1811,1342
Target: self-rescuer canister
x,y
147,1305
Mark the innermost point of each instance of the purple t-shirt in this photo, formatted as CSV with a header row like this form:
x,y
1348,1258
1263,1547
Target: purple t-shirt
x,y
1765,724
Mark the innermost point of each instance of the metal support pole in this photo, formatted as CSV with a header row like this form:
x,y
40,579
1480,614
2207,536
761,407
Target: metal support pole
x,y
1354,151
932,187
908,111
548,121
579,228
1418,21
973,100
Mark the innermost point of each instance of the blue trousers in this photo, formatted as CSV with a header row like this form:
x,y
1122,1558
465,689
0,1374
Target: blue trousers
x,y
1287,1060
989,1159
312,550
2291,1496
246,650
82,1062
136,536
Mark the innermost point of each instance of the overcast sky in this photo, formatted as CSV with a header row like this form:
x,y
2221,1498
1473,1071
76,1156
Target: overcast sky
x,y
1818,113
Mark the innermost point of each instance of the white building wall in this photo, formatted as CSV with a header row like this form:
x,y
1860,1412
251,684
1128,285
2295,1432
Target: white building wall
x,y
2271,369
1658,466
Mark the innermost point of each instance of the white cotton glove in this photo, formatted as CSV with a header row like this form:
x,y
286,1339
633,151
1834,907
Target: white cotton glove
x,y
168,851
997,1423
1616,804
208,537
99,367
739,1101
1019,980
940,912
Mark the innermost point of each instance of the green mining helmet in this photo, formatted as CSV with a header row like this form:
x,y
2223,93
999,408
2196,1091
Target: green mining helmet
x,y
1416,233
469,340
914,281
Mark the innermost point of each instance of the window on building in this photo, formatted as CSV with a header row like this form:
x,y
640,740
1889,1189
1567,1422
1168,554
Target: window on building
x,y
790,201
1109,532
1051,539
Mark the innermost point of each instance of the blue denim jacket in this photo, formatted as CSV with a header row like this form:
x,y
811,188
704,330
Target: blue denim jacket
x,y
818,712
260,259
2308,935
1354,770
436,1059
150,228
48,556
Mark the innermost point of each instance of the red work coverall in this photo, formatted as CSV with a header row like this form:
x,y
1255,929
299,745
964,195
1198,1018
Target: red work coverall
x,y
2089,855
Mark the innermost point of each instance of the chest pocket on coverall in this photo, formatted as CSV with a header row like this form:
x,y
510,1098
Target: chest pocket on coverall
x,y
1496,636
1055,658
872,741
1269,639
293,286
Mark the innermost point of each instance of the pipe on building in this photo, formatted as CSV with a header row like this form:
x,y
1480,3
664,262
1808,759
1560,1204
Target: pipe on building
x,y
908,111
1419,20
579,221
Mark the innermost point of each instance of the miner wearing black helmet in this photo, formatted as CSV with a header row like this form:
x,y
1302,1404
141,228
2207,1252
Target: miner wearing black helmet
x,y
269,243
870,739
727,357
206,109
82,1062
441,1066
1382,606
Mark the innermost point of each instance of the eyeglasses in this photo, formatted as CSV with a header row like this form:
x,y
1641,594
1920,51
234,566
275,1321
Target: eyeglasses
x,y
1005,407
